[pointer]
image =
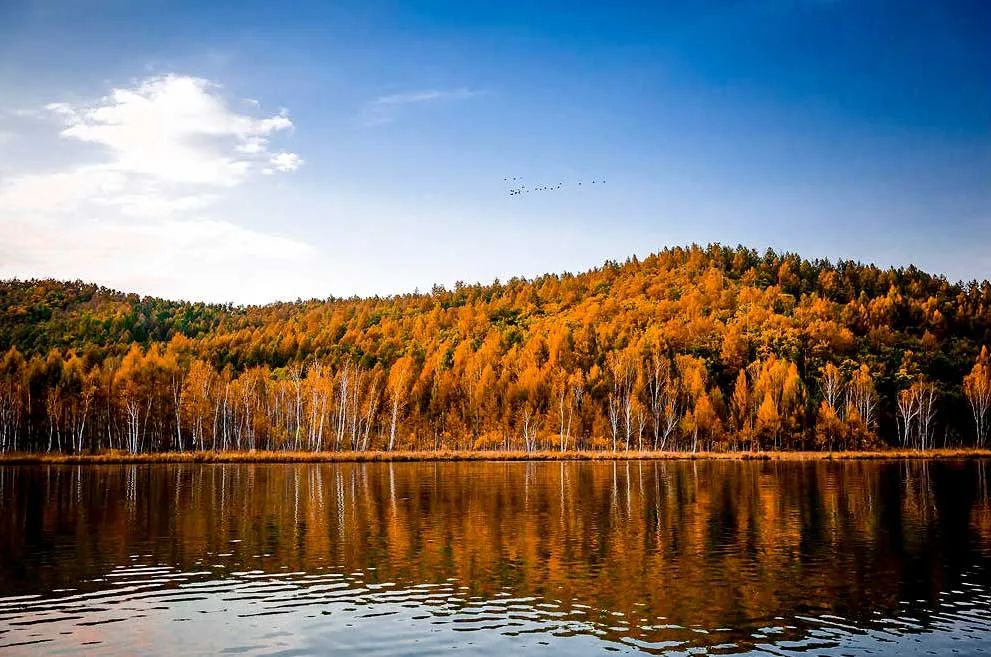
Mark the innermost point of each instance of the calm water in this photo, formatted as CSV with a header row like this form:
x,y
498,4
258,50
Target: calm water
x,y
555,558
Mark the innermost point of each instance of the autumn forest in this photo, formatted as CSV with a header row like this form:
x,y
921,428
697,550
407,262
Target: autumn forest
x,y
690,349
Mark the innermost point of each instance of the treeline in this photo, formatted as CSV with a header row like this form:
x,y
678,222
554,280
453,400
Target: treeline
x,y
691,348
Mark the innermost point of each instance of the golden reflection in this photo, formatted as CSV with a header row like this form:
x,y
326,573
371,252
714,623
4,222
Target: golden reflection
x,y
693,544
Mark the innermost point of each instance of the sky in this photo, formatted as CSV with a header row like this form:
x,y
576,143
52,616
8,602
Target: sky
x,y
257,151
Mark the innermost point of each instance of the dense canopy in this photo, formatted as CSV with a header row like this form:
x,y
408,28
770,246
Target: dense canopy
x,y
691,348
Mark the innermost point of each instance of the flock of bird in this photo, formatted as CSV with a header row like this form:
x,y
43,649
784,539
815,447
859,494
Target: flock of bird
x,y
520,188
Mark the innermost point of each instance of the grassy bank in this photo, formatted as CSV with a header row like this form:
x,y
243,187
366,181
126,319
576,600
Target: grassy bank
x,y
362,457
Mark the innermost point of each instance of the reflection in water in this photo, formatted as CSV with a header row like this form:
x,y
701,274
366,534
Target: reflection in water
x,y
720,557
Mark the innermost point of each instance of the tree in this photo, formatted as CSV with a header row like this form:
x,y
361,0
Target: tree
x,y
768,419
320,388
704,422
830,429
741,409
658,353
977,389
622,369
861,402
832,387
662,398
530,426
568,390
80,387
916,412
197,394
694,380
14,389
134,397
908,412
400,376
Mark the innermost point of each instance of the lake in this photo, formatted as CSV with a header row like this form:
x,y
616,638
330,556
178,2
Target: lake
x,y
712,557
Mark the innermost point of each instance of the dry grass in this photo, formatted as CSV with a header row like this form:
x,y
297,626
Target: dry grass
x,y
477,455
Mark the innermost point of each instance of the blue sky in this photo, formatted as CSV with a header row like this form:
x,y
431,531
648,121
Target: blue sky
x,y
252,151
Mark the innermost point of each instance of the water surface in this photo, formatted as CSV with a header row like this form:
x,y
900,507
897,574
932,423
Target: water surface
x,y
831,558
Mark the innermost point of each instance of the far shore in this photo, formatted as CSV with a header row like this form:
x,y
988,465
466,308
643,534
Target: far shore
x,y
477,455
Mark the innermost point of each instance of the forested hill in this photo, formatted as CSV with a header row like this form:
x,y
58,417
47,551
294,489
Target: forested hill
x,y
39,315
690,348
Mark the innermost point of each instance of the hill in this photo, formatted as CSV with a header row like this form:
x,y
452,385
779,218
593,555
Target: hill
x,y
690,348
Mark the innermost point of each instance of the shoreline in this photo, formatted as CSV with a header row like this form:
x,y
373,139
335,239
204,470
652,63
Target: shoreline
x,y
444,455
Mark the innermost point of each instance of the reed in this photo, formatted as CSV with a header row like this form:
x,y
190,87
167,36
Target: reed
x,y
477,455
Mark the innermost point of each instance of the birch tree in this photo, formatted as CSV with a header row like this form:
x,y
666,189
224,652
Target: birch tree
x,y
977,390
400,376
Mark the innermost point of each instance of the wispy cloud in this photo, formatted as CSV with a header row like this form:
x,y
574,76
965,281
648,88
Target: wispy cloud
x,y
191,259
165,139
385,109
174,128
171,147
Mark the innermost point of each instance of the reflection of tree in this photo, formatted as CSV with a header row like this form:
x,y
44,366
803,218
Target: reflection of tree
x,y
706,544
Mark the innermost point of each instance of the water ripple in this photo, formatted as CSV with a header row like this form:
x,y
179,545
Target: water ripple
x,y
562,559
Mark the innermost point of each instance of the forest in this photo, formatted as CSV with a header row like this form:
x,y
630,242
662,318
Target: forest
x,y
700,348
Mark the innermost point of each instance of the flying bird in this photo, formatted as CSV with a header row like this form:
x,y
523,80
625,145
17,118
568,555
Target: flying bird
x,y
522,188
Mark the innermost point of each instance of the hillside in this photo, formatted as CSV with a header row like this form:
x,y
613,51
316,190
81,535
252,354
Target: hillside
x,y
691,348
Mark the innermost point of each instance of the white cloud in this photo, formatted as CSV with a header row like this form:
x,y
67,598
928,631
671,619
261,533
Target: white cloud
x,y
284,163
59,191
252,146
197,259
384,109
169,149
174,128
162,138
